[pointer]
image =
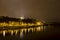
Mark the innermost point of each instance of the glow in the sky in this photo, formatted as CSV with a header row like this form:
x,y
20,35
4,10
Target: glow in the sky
x,y
46,10
21,17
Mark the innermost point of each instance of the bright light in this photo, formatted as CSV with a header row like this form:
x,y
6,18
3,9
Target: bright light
x,y
3,33
21,17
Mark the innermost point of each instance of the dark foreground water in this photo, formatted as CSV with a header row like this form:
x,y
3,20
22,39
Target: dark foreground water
x,y
36,33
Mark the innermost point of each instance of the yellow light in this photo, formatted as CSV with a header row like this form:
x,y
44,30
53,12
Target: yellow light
x,y
29,30
25,30
21,33
4,33
39,23
16,31
38,28
12,32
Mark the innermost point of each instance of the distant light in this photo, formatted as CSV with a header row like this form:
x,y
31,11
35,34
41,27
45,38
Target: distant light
x,y
21,17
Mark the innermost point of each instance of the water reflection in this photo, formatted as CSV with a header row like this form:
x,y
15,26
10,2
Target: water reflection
x,y
4,33
21,31
12,32
16,31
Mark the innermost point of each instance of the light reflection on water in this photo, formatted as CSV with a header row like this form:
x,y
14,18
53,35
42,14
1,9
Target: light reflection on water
x,y
21,31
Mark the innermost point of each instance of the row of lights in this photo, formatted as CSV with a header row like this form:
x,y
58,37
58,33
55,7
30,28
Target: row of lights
x,y
19,24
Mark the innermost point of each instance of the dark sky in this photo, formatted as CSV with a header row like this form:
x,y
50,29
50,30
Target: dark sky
x,y
46,10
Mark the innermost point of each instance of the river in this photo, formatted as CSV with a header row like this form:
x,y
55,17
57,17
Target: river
x,y
34,33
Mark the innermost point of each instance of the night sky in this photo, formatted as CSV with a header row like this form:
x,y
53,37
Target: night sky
x,y
45,10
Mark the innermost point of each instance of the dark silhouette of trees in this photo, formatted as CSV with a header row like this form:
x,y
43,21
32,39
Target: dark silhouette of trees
x,y
7,19
29,20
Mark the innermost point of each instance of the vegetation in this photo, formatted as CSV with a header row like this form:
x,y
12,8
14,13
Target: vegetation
x,y
7,19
